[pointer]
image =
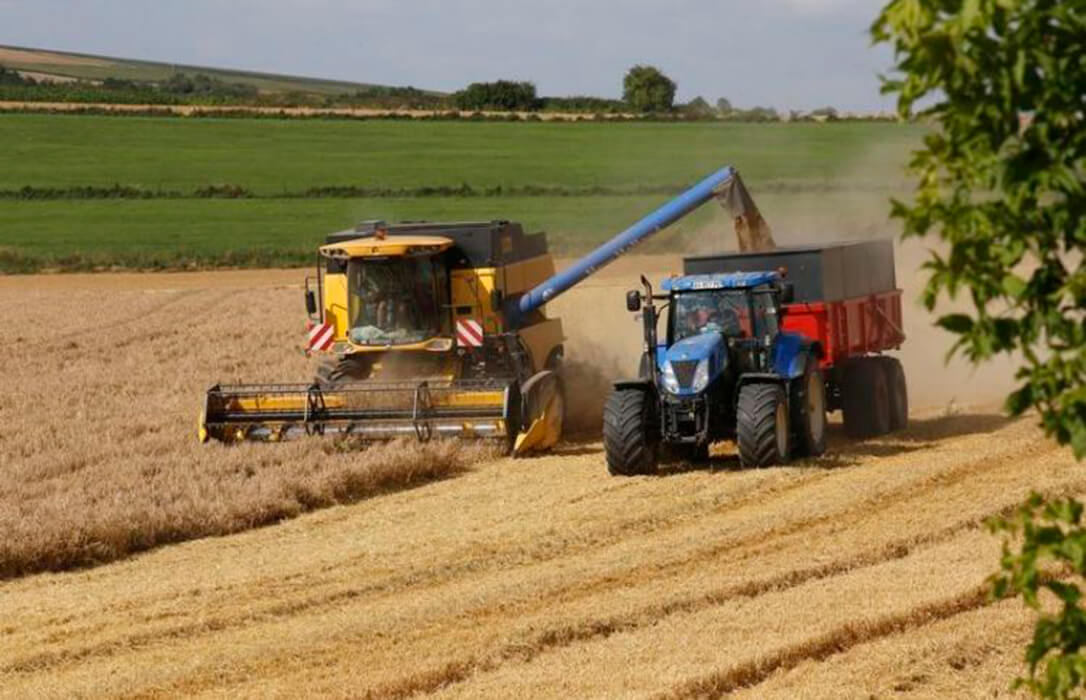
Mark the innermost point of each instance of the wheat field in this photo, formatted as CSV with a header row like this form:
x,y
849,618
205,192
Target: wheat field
x,y
400,571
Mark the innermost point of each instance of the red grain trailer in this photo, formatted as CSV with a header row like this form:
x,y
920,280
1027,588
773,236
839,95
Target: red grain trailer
x,y
846,299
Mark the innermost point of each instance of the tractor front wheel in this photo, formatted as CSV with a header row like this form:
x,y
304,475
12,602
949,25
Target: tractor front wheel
x,y
762,425
629,432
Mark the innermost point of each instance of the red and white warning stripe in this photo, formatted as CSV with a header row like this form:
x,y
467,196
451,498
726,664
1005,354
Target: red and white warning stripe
x,y
321,336
469,333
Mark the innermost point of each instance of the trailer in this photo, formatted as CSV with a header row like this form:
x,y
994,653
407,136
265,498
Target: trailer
x,y
846,300
757,348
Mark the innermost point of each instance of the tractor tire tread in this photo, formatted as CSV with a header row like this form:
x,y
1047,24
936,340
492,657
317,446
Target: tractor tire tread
x,y
756,424
627,429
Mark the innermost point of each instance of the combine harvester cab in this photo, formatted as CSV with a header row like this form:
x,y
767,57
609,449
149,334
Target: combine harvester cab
x,y
439,330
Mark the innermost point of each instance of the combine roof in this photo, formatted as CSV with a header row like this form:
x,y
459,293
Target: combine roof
x,y
476,244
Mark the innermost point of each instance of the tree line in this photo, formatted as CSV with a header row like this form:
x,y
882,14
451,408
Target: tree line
x,y
647,91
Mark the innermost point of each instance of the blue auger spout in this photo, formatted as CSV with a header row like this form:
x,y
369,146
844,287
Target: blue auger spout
x,y
666,215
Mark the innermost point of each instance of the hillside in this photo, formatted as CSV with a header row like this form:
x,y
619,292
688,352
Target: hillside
x,y
63,65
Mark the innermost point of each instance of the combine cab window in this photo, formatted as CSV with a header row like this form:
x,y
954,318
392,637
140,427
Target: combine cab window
x,y
397,301
720,311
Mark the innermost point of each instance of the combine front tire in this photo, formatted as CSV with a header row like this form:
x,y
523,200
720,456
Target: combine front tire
x,y
762,426
629,432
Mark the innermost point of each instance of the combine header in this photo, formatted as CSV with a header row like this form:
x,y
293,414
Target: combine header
x,y
438,329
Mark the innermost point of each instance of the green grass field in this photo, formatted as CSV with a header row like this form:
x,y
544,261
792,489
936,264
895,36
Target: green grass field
x,y
805,176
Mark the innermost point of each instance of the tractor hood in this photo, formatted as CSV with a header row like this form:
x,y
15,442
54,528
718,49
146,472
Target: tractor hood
x,y
695,362
694,348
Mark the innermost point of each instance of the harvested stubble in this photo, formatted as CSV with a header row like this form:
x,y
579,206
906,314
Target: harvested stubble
x,y
98,450
854,575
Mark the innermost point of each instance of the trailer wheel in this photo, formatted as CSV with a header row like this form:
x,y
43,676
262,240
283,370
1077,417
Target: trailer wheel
x,y
629,434
809,411
898,392
762,425
866,399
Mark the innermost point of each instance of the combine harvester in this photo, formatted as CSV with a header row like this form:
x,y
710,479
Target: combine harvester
x,y
439,330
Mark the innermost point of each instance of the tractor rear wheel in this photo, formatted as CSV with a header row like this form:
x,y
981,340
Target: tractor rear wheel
x,y
866,399
629,432
809,411
898,392
762,425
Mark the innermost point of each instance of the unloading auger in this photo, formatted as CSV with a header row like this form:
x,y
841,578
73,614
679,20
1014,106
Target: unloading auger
x,y
438,329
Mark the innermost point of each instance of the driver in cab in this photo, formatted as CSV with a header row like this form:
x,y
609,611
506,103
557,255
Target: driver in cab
x,y
708,318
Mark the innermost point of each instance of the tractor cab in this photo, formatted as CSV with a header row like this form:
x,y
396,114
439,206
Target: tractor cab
x,y
718,323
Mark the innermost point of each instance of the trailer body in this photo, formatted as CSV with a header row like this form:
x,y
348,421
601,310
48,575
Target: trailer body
x,y
845,295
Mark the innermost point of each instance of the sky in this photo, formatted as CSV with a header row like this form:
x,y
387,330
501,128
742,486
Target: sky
x,y
787,54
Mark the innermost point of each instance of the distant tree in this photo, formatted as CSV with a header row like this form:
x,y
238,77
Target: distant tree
x,y
754,114
119,84
583,103
698,108
13,77
723,106
827,113
646,89
202,85
506,95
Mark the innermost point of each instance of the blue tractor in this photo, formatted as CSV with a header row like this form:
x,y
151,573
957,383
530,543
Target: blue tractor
x,y
726,370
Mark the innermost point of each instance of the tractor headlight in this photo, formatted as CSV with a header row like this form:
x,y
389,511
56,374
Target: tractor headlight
x,y
671,382
701,375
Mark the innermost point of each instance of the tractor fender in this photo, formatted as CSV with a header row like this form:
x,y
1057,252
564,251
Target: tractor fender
x,y
761,378
792,352
644,384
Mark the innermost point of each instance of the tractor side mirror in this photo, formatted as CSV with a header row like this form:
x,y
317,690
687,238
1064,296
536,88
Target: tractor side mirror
x,y
310,302
633,300
788,292
495,300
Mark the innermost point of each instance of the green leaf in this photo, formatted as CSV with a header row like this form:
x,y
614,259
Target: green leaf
x,y
956,323
1014,286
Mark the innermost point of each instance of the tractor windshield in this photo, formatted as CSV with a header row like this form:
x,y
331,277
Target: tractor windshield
x,y
396,301
722,311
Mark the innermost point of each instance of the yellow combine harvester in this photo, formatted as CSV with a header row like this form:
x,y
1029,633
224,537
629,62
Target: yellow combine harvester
x,y
414,317
439,330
